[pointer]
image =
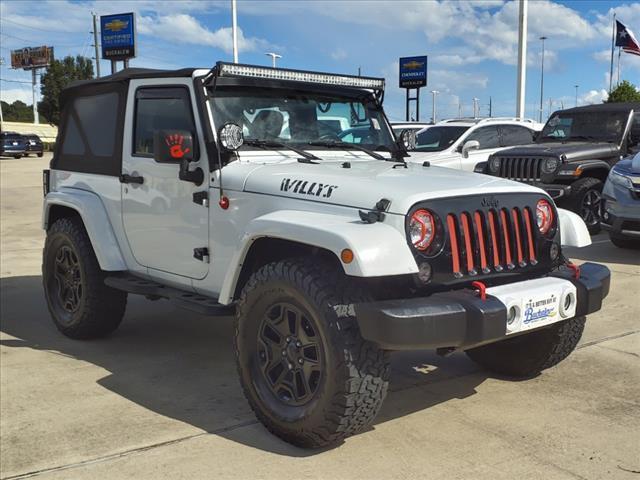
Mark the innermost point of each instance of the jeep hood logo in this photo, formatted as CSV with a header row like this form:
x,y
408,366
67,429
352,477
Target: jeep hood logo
x,y
489,202
307,187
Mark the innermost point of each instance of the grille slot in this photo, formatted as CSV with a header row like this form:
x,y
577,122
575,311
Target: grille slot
x,y
502,239
521,168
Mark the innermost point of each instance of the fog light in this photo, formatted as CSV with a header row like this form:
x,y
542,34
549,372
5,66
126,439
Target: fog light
x,y
567,304
606,215
424,272
512,314
554,251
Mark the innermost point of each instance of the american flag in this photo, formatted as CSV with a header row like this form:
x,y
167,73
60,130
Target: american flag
x,y
626,39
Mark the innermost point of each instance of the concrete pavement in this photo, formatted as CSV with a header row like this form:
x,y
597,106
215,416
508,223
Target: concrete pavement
x,y
160,398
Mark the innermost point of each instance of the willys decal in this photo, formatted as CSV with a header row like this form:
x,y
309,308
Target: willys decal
x,y
307,187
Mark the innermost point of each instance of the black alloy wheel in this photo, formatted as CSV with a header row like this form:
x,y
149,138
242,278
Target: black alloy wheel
x,y
68,277
290,354
591,209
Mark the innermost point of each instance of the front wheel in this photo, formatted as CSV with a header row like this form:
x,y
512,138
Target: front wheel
x,y
307,373
528,354
586,200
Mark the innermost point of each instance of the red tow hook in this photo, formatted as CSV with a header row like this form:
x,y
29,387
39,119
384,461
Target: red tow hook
x,y
575,268
482,289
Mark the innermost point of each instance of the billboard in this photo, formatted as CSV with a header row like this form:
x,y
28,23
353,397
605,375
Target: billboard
x,y
413,72
118,35
31,57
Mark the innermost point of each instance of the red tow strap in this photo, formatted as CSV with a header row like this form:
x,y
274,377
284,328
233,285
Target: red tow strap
x,y
575,268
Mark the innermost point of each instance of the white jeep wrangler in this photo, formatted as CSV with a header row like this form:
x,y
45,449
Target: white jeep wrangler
x,y
224,192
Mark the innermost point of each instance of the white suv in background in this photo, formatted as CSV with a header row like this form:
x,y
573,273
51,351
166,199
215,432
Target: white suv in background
x,y
463,143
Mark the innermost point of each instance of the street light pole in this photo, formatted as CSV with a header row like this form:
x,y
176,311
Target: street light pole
x,y
522,56
234,29
576,94
475,107
542,78
433,105
273,58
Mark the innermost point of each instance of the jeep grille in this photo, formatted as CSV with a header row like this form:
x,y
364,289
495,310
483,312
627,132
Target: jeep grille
x,y
482,241
521,168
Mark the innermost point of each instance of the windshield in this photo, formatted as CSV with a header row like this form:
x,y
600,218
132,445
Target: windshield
x,y
601,126
436,139
302,118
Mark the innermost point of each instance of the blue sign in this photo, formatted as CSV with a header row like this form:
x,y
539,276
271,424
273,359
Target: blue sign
x,y
118,34
413,72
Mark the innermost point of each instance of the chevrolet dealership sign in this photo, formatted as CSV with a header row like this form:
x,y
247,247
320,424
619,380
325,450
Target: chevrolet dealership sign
x,y
413,72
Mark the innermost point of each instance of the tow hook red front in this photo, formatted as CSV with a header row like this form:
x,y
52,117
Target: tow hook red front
x,y
575,268
482,289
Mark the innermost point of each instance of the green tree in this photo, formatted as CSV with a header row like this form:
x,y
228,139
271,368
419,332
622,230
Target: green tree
x,y
60,74
625,92
17,111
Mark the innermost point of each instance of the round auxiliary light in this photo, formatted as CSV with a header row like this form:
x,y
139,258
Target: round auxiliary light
x,y
231,137
544,216
512,314
424,272
422,229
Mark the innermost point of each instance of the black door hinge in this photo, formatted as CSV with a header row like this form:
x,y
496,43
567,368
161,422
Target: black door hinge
x,y
201,198
201,254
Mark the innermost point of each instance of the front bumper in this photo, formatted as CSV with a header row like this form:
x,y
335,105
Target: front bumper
x,y
460,319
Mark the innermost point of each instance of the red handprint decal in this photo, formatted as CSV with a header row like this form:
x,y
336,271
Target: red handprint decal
x,y
174,142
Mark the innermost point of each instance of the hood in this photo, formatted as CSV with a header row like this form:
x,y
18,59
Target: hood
x,y
567,152
366,182
630,165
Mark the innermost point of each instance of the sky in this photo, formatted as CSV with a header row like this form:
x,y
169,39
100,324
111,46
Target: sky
x,y
471,45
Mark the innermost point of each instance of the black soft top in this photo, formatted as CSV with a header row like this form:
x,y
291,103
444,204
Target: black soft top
x,y
133,73
604,107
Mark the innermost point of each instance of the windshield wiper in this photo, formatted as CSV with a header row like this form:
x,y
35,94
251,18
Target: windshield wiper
x,y
585,137
346,146
266,144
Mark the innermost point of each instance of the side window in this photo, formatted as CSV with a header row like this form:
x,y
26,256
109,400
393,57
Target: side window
x,y
160,109
488,137
516,135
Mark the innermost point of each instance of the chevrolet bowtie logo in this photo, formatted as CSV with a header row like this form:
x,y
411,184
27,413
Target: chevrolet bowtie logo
x,y
116,25
413,65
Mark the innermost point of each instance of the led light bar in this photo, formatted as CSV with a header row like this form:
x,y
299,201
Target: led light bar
x,y
237,70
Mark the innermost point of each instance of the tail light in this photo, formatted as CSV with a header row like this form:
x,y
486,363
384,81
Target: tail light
x,y
422,229
544,216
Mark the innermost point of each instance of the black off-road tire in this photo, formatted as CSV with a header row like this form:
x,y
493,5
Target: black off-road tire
x,y
17,157
354,378
527,355
40,154
99,309
575,201
622,242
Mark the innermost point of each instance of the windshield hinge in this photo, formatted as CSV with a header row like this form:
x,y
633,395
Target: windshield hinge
x,y
377,214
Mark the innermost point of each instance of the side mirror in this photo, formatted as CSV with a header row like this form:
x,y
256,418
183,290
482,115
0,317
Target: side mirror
x,y
468,146
408,139
231,137
172,146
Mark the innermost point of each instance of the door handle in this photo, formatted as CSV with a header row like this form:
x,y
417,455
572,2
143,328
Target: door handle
x,y
126,178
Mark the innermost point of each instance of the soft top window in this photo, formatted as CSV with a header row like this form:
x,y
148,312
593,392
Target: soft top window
x,y
91,130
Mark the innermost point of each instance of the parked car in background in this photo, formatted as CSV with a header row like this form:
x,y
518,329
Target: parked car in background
x,y
463,143
34,144
12,145
621,209
572,156
399,127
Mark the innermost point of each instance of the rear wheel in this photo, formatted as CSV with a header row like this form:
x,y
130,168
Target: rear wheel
x,y
81,305
17,156
586,200
40,154
527,355
307,373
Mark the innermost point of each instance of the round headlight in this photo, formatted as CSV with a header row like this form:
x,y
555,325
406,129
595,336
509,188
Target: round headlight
x,y
550,165
494,164
422,229
544,216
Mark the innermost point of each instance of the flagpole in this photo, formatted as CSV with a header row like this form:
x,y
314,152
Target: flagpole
x,y
613,41
619,50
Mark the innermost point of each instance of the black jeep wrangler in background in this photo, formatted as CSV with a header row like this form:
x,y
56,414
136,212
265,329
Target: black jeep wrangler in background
x,y
572,156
